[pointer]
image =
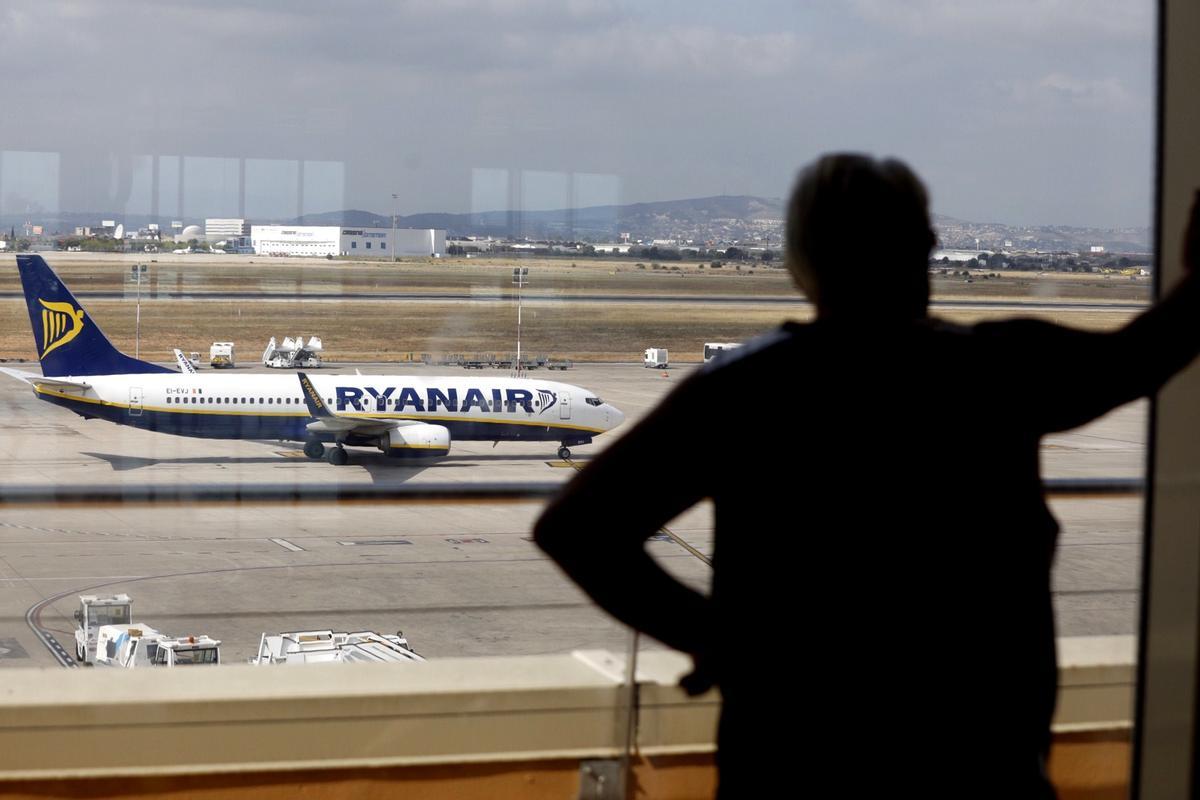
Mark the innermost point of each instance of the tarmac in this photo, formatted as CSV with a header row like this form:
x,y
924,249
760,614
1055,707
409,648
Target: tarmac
x,y
457,579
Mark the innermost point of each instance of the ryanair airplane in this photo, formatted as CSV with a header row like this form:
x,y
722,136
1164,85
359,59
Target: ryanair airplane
x,y
400,415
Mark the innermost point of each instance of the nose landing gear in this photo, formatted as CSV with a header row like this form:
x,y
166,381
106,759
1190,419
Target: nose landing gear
x,y
564,452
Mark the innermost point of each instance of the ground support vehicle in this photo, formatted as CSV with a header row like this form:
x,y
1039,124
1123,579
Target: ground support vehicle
x,y
291,353
220,355
330,647
656,358
96,611
714,349
136,645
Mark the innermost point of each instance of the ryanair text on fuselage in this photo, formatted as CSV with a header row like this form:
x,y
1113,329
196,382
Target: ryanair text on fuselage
x,y
406,398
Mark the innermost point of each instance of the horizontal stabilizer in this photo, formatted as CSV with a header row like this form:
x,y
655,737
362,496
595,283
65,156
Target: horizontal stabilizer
x,y
39,380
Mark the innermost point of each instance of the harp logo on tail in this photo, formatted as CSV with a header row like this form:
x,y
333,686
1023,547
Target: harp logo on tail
x,y
61,322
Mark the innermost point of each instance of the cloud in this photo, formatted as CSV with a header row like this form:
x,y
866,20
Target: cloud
x,y
1062,90
676,98
1053,20
679,53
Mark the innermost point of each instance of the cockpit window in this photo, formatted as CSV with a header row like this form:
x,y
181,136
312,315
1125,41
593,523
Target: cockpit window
x,y
594,401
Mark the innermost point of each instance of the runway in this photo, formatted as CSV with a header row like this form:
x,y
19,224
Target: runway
x,y
459,579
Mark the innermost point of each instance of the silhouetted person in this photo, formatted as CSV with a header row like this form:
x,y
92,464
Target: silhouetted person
x,y
879,621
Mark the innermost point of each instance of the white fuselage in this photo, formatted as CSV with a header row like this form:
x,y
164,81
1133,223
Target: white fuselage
x,y
272,406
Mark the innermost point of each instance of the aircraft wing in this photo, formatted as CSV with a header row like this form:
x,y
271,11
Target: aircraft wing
x,y
34,379
332,422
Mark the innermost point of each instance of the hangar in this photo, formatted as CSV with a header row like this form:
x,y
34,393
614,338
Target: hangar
x,y
337,240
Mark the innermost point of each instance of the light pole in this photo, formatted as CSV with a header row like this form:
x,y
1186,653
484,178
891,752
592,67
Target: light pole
x,y
138,271
392,247
520,277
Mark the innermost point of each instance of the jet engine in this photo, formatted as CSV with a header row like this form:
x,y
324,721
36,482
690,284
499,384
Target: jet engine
x,y
416,440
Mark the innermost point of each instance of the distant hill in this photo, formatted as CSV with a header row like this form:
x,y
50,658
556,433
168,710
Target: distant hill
x,y
726,219
668,219
961,234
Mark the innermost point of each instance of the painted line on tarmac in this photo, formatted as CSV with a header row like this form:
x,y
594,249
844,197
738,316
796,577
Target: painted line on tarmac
x,y
286,545
33,618
22,579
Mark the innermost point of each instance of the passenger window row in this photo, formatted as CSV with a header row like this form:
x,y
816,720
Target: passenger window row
x,y
195,399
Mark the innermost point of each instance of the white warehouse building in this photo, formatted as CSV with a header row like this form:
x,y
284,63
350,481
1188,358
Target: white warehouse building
x,y
335,240
218,228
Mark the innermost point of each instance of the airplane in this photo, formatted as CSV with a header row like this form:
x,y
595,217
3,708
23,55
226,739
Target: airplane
x,y
399,414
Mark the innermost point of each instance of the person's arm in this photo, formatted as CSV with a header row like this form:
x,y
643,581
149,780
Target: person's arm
x,y
1066,377
597,527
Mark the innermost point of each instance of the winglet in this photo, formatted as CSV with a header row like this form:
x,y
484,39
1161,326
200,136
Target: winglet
x,y
185,366
312,399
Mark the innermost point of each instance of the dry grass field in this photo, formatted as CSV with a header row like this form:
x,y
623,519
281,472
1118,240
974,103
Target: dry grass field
x,y
383,330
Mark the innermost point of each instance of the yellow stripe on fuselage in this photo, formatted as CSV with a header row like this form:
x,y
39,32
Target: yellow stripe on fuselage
x,y
530,423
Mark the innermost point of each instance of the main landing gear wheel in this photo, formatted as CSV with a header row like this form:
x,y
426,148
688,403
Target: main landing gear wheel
x,y
337,456
564,452
314,449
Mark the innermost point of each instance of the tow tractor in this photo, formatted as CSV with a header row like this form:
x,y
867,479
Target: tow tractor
x,y
96,611
106,634
131,646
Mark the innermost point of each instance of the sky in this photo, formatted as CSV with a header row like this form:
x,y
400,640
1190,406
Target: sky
x,y
1015,111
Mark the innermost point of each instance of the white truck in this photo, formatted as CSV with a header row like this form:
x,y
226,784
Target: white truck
x,y
96,611
136,645
330,647
714,349
656,358
220,355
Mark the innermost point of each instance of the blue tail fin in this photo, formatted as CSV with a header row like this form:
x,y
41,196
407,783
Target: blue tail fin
x,y
68,340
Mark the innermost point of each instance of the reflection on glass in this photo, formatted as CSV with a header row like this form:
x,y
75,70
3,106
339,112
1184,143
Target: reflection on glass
x,y
29,183
170,188
490,194
131,184
323,188
271,189
212,187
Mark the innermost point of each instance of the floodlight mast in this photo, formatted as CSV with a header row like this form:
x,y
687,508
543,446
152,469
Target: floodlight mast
x,y
138,271
519,278
395,199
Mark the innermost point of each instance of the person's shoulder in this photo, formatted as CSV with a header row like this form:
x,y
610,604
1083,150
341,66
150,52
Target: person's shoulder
x,y
770,345
1019,329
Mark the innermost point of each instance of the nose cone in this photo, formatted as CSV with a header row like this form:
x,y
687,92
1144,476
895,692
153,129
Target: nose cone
x,y
615,417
